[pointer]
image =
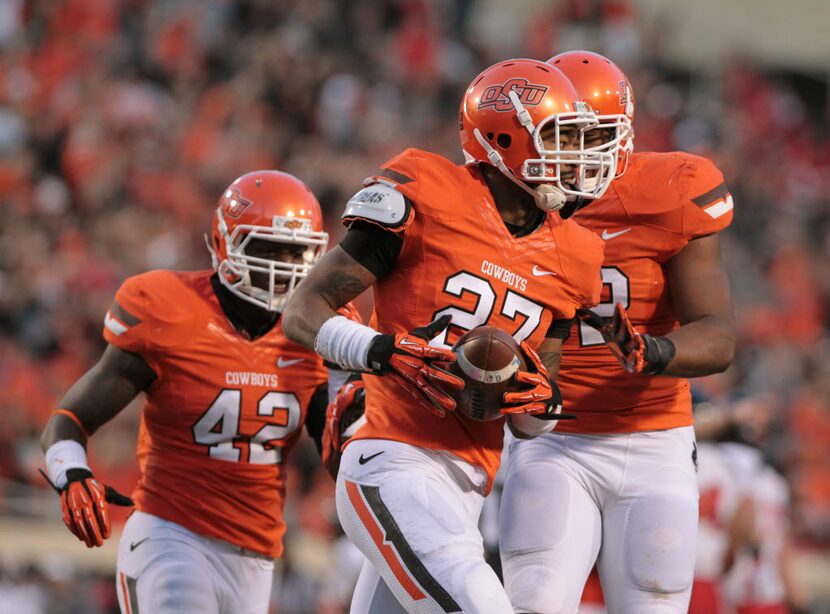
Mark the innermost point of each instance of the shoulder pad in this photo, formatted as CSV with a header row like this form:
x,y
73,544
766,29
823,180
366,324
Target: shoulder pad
x,y
378,203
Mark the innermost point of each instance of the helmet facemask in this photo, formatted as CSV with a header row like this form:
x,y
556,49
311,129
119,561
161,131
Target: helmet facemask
x,y
542,176
617,140
239,269
592,168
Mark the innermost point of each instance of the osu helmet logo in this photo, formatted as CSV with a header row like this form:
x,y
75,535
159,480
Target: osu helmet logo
x,y
497,96
292,224
235,205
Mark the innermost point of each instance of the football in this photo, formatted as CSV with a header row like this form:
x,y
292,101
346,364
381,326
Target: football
x,y
487,360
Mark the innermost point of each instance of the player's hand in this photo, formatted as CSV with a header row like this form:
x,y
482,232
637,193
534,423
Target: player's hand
x,y
84,506
419,367
636,352
625,342
350,311
541,398
343,417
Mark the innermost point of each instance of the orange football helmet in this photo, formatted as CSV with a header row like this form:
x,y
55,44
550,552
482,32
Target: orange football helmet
x,y
270,206
503,115
605,87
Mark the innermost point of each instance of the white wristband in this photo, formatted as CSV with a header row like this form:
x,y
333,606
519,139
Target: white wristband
x,y
531,426
345,343
62,456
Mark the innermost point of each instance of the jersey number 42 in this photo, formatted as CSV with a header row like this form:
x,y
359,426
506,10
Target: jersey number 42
x,y
218,428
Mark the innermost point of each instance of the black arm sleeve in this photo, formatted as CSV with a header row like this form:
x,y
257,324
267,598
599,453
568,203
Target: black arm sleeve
x,y
315,419
560,329
373,247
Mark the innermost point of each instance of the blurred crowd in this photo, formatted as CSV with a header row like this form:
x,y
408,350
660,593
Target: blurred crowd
x,y
122,120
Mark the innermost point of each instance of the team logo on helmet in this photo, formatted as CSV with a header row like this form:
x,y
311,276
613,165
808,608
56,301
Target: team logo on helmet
x,y
234,204
497,96
292,224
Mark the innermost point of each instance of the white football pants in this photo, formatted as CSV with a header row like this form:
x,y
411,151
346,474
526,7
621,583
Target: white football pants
x,y
164,568
413,513
628,502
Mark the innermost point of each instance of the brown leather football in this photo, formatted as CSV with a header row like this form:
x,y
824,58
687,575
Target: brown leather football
x,y
487,360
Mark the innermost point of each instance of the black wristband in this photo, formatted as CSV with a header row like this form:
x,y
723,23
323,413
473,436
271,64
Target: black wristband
x,y
553,403
380,350
560,329
659,353
77,474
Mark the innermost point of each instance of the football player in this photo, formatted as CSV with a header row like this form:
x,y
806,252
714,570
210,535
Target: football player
x,y
447,248
618,484
760,580
723,514
226,393
759,560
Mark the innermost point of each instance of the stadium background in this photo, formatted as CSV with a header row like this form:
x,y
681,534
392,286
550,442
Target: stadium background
x,y
122,120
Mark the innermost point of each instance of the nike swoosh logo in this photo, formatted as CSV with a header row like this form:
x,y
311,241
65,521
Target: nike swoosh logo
x,y
365,459
610,235
138,543
537,272
282,363
408,342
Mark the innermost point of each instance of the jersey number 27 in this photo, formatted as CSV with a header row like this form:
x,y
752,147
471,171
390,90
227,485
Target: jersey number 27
x,y
513,306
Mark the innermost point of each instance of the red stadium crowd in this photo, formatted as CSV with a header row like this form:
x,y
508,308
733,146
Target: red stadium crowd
x,y
122,120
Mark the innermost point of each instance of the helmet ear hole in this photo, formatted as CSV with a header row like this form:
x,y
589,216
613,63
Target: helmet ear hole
x,y
490,136
504,140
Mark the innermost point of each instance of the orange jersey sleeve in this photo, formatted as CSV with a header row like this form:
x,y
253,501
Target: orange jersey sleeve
x,y
145,319
678,197
707,202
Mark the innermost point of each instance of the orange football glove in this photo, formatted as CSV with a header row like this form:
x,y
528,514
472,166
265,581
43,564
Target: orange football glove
x,y
636,352
84,506
625,342
417,366
342,413
350,311
542,399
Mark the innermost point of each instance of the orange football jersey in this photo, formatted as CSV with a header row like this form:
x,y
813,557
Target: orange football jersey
x,y
663,201
458,258
222,414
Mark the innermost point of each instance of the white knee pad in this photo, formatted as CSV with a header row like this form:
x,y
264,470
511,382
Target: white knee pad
x,y
535,509
536,586
660,543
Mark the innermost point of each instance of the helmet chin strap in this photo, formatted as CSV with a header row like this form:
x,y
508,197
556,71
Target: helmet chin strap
x,y
547,197
550,198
